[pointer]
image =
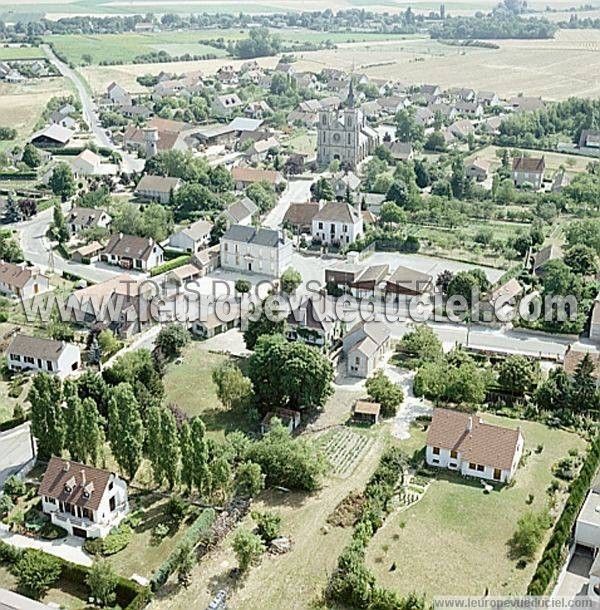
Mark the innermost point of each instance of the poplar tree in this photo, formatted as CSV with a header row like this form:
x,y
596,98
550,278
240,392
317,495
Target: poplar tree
x,y
187,455
47,417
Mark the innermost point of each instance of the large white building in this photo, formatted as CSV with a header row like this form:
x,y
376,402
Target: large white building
x,y
465,443
26,353
338,223
86,501
263,251
344,135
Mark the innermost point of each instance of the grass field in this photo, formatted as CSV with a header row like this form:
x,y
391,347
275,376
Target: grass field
x,y
125,47
189,385
22,104
9,53
455,524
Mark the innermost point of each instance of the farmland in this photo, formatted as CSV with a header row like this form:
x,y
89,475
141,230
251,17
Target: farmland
x,y
456,522
8,53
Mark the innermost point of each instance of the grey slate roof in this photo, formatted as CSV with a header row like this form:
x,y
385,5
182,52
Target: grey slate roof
x,y
250,235
36,347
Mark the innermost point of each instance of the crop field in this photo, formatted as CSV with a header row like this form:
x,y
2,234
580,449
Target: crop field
x,y
8,53
456,522
344,450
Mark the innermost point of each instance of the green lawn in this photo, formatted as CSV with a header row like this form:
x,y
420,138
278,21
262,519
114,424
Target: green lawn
x,y
189,385
143,555
454,540
10,53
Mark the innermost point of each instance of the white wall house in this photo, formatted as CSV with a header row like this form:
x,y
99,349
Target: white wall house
x,y
157,188
79,219
263,251
132,252
22,281
87,502
193,238
337,222
465,443
26,353
86,163
365,347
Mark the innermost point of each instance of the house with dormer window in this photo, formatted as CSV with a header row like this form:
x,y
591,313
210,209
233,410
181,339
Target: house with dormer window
x,y
86,501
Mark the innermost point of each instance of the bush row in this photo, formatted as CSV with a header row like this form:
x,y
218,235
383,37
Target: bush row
x,y
169,265
199,529
18,175
352,583
552,557
130,595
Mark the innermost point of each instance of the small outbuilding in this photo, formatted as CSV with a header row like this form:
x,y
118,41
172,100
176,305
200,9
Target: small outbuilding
x,y
366,412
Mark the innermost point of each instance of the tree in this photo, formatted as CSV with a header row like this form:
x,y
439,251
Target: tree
x,y
398,193
242,286
84,438
187,455
291,375
268,525
290,280
436,142
102,581
407,129
248,547
31,156
172,338
519,374
185,562
458,180
249,479
62,182
169,457
423,343
322,190
59,227
585,232
267,323
585,398
47,417
234,389
467,284
554,394
529,535
201,475
125,429
385,392
263,194
108,343
36,571
582,259
392,212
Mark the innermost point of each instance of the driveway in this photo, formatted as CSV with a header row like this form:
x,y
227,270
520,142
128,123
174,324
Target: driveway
x,y
69,548
575,580
16,450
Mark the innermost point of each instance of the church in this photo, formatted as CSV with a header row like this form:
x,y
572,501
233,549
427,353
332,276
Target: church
x,y
344,135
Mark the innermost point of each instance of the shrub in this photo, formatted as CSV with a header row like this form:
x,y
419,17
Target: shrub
x,y
118,538
176,508
102,581
36,571
248,547
170,265
6,505
268,525
93,546
14,486
49,531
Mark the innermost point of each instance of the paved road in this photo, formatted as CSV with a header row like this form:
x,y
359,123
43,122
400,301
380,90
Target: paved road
x,y
297,191
36,249
129,162
15,450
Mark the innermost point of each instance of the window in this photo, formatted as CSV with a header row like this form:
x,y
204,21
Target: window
x,y
480,468
472,466
28,359
320,225
112,503
436,451
49,365
16,357
454,454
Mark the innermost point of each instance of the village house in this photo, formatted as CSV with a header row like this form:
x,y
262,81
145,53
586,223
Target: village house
x,y
261,149
118,95
488,99
589,141
26,353
573,358
314,322
587,532
401,151
465,443
365,347
226,105
337,223
89,253
357,280
528,171
87,502
241,212
79,219
245,176
157,188
86,163
407,281
18,280
299,216
545,255
264,251
51,136
344,184
133,252
523,103
477,169
193,238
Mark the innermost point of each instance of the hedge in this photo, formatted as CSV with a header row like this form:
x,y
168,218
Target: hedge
x,y
75,150
18,175
552,557
196,531
169,265
12,423
130,595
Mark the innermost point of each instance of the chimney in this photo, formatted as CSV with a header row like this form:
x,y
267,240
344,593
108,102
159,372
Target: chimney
x,y
83,477
469,424
66,466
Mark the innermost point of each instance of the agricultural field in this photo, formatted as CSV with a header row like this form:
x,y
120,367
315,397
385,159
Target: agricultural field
x,y
572,163
303,142
344,449
455,522
189,385
8,53
22,104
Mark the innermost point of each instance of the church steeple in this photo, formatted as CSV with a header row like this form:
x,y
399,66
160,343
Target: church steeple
x,y
350,101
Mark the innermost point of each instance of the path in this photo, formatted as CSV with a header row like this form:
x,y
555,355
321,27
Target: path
x,y
297,191
69,548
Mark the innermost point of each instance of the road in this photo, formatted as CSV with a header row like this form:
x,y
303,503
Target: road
x,y
36,249
15,450
129,163
297,191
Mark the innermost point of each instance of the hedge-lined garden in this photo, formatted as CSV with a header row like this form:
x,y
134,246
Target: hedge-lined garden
x,y
553,556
